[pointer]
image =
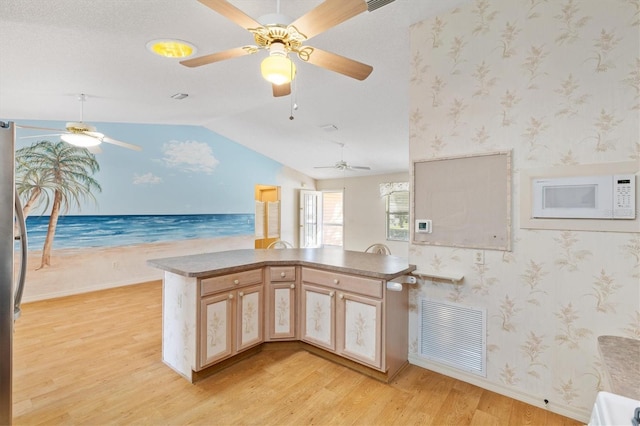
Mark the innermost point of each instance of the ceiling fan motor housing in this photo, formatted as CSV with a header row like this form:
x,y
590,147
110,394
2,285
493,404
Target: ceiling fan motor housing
x,y
79,127
275,19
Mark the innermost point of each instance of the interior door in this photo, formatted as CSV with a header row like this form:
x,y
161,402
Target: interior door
x,y
268,215
310,219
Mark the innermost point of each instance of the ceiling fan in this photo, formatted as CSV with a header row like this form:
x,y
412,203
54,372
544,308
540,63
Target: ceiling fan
x,y
343,165
81,134
280,38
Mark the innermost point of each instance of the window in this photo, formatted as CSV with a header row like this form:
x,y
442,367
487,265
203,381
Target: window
x,y
332,219
398,216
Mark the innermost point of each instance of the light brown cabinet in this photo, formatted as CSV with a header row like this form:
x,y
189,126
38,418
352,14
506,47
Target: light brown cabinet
x,y
220,307
231,316
318,311
359,328
343,314
281,300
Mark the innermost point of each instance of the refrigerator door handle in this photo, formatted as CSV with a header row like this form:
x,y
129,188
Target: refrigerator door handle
x,y
22,224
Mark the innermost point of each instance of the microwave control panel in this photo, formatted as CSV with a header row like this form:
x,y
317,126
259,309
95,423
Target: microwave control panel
x,y
624,193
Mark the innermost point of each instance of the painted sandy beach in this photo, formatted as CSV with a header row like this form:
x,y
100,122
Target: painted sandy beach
x,y
75,271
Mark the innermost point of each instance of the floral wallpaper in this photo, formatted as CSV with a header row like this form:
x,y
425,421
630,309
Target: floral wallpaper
x,y
179,334
558,83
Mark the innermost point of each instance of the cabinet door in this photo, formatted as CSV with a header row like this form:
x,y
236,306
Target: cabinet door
x,y
250,323
282,310
359,328
318,316
216,328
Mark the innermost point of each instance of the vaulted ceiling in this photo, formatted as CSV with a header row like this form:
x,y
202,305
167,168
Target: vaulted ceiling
x,y
54,50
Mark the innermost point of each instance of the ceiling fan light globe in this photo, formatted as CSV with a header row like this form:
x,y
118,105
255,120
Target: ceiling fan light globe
x,y
80,139
171,48
278,69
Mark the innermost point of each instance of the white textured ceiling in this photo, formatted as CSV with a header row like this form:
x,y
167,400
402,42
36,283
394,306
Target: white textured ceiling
x,y
52,50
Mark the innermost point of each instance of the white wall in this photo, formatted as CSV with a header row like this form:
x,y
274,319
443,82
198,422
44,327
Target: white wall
x,y
364,211
556,82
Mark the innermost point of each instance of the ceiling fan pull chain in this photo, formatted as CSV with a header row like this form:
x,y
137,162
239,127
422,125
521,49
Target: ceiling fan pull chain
x,y
294,89
291,110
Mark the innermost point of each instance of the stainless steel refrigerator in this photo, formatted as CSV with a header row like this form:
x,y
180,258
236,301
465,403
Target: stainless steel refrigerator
x,y
11,281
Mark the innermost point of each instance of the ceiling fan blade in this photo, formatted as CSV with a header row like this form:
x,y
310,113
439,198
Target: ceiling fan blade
x,y
359,167
22,126
40,136
122,144
216,57
339,64
325,167
327,15
281,89
231,12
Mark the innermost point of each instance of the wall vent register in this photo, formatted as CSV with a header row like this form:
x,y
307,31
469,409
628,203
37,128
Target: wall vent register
x,y
454,335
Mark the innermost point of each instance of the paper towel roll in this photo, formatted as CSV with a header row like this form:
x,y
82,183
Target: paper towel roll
x,y
394,286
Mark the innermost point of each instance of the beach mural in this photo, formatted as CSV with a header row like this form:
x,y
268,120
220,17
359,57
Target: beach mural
x,y
94,218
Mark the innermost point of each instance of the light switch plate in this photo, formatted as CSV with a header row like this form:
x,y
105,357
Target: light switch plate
x,y
478,257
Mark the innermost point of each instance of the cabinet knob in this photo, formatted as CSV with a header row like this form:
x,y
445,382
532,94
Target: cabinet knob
x,y
292,286
341,296
331,294
336,281
283,274
231,296
240,294
236,282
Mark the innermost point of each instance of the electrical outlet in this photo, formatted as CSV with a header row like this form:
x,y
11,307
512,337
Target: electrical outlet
x,y
478,257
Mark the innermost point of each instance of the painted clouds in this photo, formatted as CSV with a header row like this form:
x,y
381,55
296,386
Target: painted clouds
x,y
189,156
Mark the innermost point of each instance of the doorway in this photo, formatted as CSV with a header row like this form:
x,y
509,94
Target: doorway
x,y
321,219
267,219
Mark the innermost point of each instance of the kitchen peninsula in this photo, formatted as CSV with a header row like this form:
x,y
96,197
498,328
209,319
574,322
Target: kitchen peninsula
x,y
218,308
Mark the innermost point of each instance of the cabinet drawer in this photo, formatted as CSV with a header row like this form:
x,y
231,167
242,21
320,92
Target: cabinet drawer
x,y
365,286
227,282
282,273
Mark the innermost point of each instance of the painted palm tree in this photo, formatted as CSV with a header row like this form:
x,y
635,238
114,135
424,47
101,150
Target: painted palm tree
x,y
62,173
32,185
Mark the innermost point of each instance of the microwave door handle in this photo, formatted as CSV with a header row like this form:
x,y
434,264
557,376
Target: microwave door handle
x,y
22,224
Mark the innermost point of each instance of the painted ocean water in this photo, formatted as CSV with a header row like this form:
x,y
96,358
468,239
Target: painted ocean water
x,y
112,231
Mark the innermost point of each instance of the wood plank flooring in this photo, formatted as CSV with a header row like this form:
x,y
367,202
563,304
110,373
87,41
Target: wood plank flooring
x,y
95,359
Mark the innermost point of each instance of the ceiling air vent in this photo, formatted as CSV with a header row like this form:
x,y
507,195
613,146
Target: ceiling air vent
x,y
377,4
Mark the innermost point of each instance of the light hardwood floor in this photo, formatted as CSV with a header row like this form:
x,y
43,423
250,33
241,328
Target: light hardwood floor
x,y
95,359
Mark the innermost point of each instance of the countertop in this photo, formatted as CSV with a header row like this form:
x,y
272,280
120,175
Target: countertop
x,y
334,259
621,359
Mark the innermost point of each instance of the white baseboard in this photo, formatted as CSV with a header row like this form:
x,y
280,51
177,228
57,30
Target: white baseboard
x,y
562,409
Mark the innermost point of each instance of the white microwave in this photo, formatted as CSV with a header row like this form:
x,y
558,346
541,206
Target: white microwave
x,y
585,197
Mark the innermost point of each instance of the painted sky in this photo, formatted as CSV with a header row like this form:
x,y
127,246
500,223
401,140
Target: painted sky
x,y
180,170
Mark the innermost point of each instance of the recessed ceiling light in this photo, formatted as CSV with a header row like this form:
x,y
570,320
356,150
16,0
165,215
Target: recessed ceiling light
x,y
171,48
